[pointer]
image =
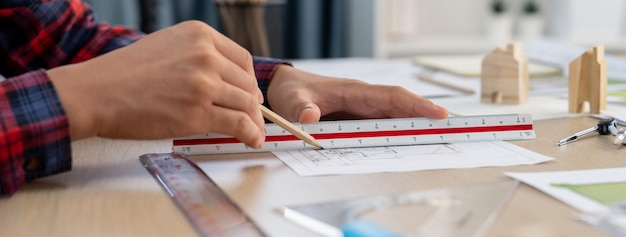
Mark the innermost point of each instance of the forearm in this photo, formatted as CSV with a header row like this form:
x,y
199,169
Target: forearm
x,y
34,132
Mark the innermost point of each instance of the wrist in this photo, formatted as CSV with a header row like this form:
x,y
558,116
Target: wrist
x,y
281,75
75,101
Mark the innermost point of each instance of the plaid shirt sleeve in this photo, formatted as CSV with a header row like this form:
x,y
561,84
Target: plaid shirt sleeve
x,y
35,36
264,69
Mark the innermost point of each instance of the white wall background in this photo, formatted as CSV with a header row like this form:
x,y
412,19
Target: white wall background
x,y
408,27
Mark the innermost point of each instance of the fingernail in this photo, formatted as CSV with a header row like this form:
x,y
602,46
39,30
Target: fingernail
x,y
306,107
260,94
259,144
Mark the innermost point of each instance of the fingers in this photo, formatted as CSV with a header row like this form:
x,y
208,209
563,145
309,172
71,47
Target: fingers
x,y
231,52
235,94
362,100
308,113
418,106
335,98
234,52
297,105
237,124
241,115
398,102
233,74
234,98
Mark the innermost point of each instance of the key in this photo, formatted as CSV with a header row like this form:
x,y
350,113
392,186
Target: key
x,y
604,127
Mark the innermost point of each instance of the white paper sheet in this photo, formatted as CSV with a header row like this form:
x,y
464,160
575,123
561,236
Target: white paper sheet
x,y
471,65
407,158
544,181
540,107
619,115
393,72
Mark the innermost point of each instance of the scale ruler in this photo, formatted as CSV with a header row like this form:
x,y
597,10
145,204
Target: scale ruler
x,y
205,205
372,132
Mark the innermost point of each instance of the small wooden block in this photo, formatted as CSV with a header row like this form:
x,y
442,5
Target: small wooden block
x,y
504,76
588,81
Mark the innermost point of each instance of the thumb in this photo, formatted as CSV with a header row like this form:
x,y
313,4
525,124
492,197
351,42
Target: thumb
x,y
308,112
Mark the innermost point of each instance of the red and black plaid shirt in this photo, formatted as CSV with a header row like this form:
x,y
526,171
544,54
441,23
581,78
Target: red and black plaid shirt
x,y
39,35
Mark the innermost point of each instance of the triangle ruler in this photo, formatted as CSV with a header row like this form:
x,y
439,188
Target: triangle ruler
x,y
460,211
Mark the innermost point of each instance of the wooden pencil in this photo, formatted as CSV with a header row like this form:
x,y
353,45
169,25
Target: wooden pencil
x,y
283,123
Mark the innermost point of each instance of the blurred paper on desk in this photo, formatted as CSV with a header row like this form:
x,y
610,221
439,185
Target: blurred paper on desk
x,y
552,184
470,65
547,100
393,72
619,115
540,107
599,193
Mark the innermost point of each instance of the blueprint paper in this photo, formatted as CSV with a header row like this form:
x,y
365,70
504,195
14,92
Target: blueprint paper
x,y
407,158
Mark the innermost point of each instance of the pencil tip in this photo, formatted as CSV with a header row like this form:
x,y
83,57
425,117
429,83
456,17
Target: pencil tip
x,y
317,144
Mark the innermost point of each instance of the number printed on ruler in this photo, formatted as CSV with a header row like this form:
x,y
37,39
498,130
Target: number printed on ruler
x,y
373,132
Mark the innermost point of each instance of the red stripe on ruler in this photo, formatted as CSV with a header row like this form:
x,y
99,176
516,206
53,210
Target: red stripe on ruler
x,y
369,134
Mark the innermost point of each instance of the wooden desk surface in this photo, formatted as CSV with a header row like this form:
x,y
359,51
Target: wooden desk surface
x,y
109,193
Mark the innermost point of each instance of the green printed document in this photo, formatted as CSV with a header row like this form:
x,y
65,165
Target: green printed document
x,y
605,193
589,191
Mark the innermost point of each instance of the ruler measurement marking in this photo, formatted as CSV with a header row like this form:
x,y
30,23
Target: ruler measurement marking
x,y
207,149
368,134
373,132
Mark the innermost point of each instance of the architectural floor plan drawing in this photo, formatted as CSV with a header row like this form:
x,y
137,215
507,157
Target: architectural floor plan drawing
x,y
371,155
407,158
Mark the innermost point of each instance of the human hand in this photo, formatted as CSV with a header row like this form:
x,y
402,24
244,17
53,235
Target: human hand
x,y
305,97
183,80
